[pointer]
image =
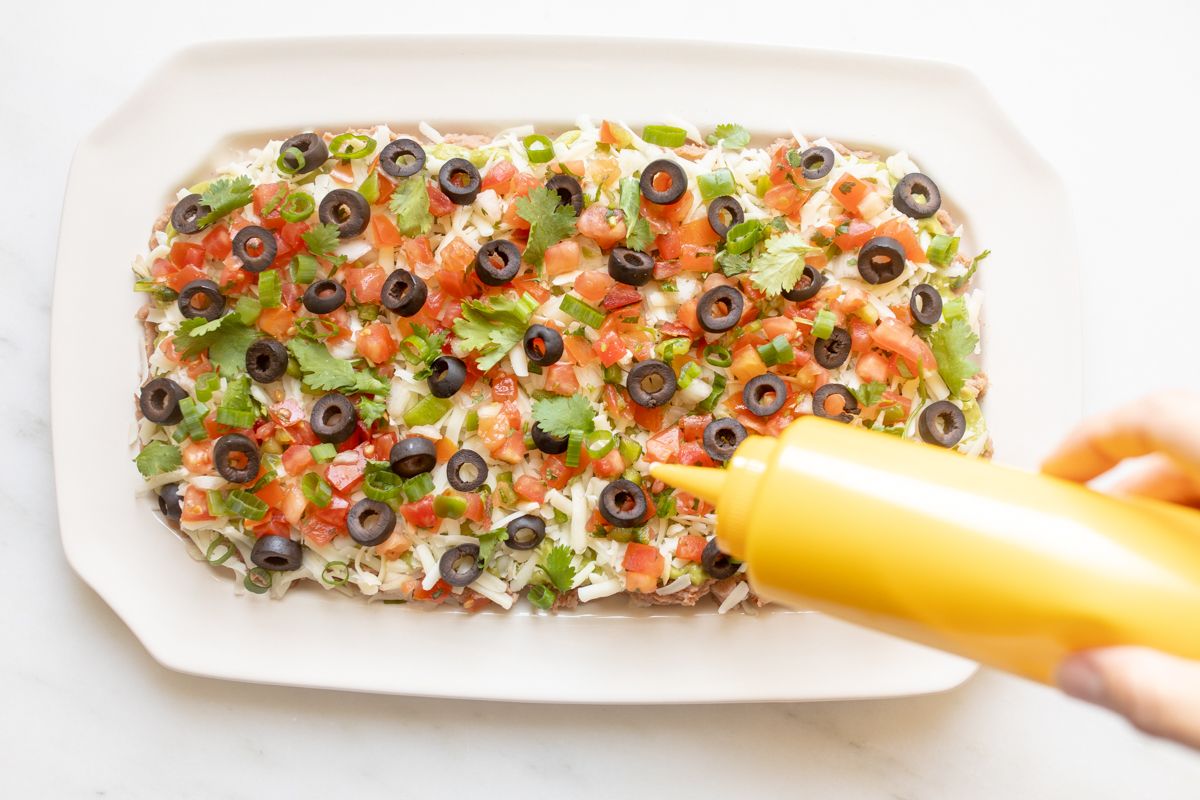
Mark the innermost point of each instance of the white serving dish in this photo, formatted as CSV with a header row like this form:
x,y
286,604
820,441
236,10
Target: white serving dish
x,y
203,104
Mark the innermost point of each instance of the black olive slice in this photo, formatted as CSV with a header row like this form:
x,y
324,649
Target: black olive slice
x,y
548,443
832,351
412,456
324,295
543,346
916,196
720,309
459,180
370,522
942,423
717,564
188,212
346,209
569,192
721,437
277,553
651,383
816,163
255,247
201,298
623,504
169,502
403,293
312,149
401,158
159,401
266,360
333,418
718,208
497,262
670,194
631,267
466,470
811,281
236,458
446,376
525,532
765,394
460,565
881,260
823,394
925,304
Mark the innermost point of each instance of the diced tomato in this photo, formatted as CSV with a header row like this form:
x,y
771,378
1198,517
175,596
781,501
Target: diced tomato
x,y
438,594
872,367
691,454
264,195
669,245
896,337
234,279
785,198
531,286
195,505
620,295
420,513
334,513
900,231
560,379
375,343
364,284
384,231
602,225
530,488
579,350
690,547
272,494
663,446
504,388
296,459
562,258
687,315
610,348
637,582
855,236
439,204
276,322
417,251
476,509
346,471
615,403
746,364
273,524
693,426
860,336
593,284
612,133
182,277
185,254
555,472
671,213
511,450
649,418
643,559
811,377
695,259
197,457
217,243
610,466
849,192
499,178
318,531
699,233
779,326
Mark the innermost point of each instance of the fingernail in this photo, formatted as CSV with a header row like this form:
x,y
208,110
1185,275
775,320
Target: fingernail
x,y
1079,678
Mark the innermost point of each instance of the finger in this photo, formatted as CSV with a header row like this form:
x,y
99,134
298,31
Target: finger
x,y
1157,424
1158,693
1159,478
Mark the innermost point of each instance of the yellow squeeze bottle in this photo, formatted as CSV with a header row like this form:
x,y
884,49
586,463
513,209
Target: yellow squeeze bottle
x,y
1002,566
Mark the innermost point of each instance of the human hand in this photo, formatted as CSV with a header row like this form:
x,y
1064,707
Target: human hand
x,y
1158,693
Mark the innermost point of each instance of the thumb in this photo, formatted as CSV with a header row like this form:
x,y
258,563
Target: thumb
x,y
1158,693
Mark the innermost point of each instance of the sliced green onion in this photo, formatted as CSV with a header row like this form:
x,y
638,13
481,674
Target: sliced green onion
x,y
743,236
297,207
541,596
718,356
246,505
179,434
316,490
368,313
471,423
317,328
783,349
574,448
689,373
427,411
323,453
716,184
942,250
335,573
236,410
767,353
664,135
216,503
449,506
235,417
538,149
599,443
505,496
219,550
248,308
673,347
257,580
823,324
630,450
710,402
414,348
664,505
632,475
292,166
418,486
613,374
304,269
206,384
351,145
193,419
574,307
382,485
270,289
164,294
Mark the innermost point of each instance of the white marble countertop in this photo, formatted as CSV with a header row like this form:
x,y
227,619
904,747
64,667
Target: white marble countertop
x,y
1105,93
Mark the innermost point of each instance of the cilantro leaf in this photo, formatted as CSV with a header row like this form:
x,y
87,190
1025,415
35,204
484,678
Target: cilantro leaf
x,y
869,394
491,327
638,235
322,240
226,339
962,280
158,457
549,222
558,416
558,568
729,136
370,410
488,543
325,371
794,159
781,264
410,204
952,344
732,263
224,195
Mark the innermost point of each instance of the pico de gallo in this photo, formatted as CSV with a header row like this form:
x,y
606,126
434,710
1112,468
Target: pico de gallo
x,y
434,369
